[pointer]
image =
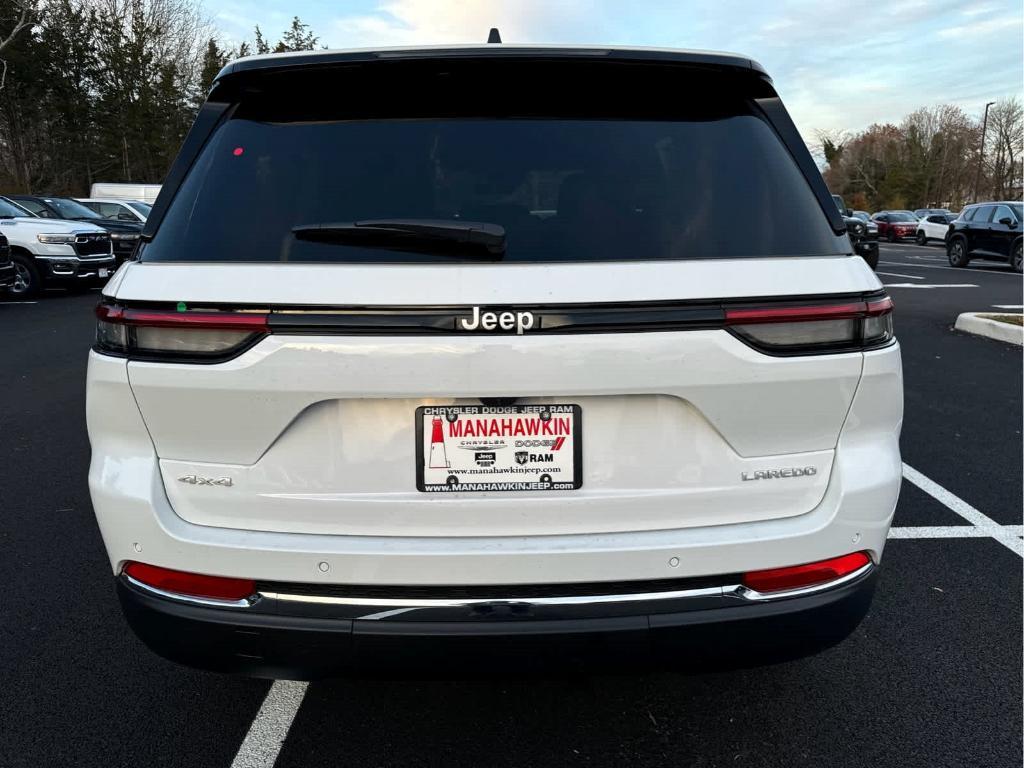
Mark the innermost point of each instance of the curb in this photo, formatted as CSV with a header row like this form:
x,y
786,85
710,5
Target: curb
x,y
973,322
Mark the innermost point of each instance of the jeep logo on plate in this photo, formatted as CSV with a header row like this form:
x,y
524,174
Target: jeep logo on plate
x,y
505,321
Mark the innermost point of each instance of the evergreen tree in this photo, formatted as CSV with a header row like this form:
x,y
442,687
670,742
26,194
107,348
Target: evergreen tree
x,y
261,45
297,38
214,60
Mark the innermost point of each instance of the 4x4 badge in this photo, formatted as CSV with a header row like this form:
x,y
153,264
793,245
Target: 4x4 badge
x,y
197,480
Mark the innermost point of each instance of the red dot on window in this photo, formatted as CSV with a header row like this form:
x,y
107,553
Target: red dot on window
x,y
238,151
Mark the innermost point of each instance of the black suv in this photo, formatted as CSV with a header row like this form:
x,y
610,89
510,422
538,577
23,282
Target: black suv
x,y
986,231
6,265
124,235
863,234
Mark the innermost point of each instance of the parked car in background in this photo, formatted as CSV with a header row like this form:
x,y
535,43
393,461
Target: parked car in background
x,y
863,234
118,191
862,215
118,210
6,265
922,212
123,234
73,254
933,226
987,231
895,225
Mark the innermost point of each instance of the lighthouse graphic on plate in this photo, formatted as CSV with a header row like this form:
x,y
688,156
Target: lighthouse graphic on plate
x,y
438,457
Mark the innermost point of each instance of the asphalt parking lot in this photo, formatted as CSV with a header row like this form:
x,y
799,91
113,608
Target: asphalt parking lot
x,y
931,678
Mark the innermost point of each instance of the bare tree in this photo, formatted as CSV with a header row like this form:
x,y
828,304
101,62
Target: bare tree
x,y
24,11
1006,121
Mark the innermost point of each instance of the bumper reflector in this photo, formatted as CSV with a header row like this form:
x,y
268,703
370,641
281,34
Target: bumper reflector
x,y
810,574
192,584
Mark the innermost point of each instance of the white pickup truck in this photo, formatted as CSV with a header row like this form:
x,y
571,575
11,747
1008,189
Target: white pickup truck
x,y
53,251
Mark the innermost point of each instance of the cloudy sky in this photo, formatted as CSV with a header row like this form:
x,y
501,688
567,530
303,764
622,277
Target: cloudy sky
x,y
837,65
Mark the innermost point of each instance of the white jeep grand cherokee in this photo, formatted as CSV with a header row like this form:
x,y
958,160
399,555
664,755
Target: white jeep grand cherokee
x,y
514,354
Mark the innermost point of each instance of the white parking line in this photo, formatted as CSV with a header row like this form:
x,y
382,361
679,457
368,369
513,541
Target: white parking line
x,y
953,532
929,285
961,270
897,274
1008,306
1008,535
269,728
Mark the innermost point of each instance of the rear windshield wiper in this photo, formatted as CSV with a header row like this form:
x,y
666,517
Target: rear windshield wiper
x,y
443,237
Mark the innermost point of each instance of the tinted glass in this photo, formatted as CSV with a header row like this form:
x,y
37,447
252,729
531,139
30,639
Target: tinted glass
x,y
143,208
983,214
71,209
1003,212
902,217
720,186
107,210
8,209
37,208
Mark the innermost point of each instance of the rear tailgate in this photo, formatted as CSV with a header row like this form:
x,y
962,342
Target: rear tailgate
x,y
316,432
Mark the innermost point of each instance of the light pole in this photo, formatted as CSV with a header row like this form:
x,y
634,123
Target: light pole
x,y
981,152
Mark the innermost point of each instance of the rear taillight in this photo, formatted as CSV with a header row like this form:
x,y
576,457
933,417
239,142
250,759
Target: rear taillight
x,y
808,575
190,584
147,334
844,326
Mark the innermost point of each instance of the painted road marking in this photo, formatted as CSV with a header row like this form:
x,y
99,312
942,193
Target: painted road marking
x,y
897,274
929,285
1008,535
962,270
1008,306
952,532
269,729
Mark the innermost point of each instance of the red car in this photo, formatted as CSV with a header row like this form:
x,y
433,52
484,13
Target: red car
x,y
895,225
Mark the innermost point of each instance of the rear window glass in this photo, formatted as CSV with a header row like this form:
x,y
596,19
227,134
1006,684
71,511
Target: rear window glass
x,y
721,185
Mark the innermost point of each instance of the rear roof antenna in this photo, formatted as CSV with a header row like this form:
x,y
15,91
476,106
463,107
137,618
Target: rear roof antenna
x,y
494,36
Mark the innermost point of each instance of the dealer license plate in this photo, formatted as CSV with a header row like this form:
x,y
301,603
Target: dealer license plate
x,y
103,272
498,448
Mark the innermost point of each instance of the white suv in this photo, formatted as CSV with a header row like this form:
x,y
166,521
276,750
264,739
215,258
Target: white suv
x,y
454,362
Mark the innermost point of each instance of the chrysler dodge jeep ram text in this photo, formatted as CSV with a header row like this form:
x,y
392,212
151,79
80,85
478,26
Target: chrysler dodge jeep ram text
x,y
462,350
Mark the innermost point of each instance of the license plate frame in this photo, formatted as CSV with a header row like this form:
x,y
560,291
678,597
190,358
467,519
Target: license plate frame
x,y
505,460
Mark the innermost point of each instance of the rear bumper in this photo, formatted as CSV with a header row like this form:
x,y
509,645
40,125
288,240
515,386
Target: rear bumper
x,y
303,641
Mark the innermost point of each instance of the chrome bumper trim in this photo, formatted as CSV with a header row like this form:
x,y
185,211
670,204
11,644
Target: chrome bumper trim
x,y
210,602
502,608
